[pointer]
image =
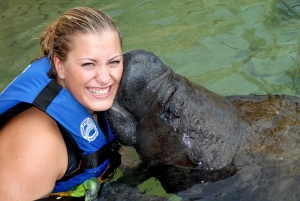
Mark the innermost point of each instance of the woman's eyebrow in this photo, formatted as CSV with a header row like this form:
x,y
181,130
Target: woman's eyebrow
x,y
121,55
94,60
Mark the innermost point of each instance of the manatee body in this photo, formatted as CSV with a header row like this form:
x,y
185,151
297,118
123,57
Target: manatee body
x,y
202,145
176,122
172,122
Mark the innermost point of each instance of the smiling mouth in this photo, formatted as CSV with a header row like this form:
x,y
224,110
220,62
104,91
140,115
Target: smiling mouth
x,y
98,91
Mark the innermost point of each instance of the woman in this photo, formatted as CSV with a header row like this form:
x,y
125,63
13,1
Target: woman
x,y
49,141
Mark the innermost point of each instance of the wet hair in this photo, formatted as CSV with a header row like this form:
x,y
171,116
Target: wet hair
x,y
57,37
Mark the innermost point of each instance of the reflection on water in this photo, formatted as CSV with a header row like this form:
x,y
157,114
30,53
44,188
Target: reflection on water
x,y
229,47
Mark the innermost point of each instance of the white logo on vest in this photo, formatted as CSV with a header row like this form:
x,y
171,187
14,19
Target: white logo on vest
x,y
88,129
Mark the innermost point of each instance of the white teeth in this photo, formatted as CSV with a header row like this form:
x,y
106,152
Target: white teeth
x,y
98,91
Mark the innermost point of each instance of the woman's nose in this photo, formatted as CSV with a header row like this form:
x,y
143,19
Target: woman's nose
x,y
103,75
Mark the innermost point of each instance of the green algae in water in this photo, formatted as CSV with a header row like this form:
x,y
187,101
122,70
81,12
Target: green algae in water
x,y
153,187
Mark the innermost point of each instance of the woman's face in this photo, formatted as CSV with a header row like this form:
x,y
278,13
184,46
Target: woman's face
x,y
93,69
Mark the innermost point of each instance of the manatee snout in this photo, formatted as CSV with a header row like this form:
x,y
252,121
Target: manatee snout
x,y
142,77
140,68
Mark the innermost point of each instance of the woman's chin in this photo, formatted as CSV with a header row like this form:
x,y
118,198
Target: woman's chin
x,y
103,106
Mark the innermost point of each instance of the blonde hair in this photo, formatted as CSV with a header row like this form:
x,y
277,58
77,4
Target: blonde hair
x,y
57,37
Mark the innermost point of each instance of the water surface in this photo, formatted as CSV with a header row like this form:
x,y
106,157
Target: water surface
x,y
227,46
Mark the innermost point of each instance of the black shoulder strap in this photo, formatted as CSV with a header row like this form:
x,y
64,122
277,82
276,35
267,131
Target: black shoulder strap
x,y
4,117
42,101
46,96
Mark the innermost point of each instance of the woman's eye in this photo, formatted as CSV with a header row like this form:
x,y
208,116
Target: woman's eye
x,y
87,64
114,63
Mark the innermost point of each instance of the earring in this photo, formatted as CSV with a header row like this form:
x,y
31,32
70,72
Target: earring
x,y
59,77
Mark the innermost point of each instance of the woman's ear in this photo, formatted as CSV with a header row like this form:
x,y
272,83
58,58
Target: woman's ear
x,y
59,67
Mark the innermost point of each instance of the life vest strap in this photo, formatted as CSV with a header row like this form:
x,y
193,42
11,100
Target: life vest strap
x,y
95,159
46,96
13,111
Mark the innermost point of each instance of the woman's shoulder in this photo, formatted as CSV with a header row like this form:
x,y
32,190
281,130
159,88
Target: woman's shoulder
x,y
32,151
29,124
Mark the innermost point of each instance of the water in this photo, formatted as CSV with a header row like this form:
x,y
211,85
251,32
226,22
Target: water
x,y
227,46
230,47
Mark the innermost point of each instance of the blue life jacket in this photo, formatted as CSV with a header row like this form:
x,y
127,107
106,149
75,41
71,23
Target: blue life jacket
x,y
34,88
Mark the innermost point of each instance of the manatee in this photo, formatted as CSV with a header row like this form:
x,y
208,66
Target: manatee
x,y
201,145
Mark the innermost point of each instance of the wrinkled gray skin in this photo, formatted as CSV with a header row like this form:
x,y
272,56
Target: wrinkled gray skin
x,y
204,146
176,127
170,120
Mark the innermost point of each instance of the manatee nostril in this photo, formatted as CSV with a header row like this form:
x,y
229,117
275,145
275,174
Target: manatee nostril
x,y
152,59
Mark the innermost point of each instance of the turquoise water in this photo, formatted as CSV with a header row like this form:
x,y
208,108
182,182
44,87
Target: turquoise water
x,y
229,47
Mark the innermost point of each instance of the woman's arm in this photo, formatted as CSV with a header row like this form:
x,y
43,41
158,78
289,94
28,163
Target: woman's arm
x,y
33,156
